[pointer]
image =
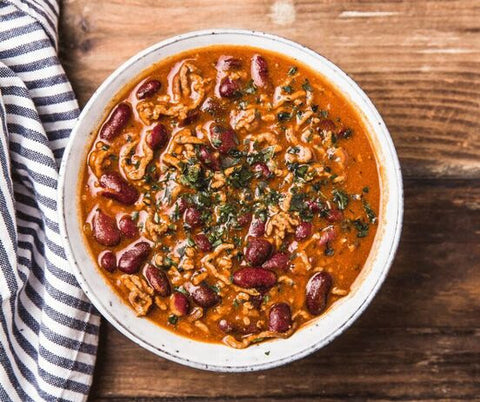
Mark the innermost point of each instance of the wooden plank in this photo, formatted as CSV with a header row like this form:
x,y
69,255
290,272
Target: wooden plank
x,y
420,338
374,363
419,61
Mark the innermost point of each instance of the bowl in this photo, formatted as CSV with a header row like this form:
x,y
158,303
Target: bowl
x,y
218,357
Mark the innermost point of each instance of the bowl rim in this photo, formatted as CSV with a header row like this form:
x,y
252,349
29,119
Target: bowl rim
x,y
308,349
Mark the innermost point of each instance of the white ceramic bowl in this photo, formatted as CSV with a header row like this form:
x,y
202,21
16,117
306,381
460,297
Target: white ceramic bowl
x,y
210,356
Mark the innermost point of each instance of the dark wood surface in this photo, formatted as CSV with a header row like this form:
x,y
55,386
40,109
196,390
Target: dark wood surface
x,y
419,61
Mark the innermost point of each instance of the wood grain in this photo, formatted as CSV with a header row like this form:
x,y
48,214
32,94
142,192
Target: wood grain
x,y
419,61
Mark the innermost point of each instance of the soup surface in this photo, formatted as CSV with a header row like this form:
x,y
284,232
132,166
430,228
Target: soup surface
x,y
230,195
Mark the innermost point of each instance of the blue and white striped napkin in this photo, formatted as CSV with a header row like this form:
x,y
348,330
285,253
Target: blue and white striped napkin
x,y
48,329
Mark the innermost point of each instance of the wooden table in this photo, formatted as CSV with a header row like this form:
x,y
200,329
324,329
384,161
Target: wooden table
x,y
419,61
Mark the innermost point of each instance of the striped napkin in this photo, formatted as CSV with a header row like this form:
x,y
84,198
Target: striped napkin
x,y
48,329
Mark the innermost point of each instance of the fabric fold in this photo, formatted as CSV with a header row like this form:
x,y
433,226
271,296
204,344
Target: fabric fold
x,y
48,328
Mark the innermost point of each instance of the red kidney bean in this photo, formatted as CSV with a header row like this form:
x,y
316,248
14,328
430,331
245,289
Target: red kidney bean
x,y
225,63
257,228
257,252
117,188
192,116
208,158
128,227
313,205
179,304
116,122
259,70
225,326
279,318
223,139
229,328
182,205
317,290
228,88
158,280
303,231
334,215
203,295
277,261
192,217
105,229
327,236
326,125
252,277
148,88
244,219
158,137
108,261
131,259
262,170
202,242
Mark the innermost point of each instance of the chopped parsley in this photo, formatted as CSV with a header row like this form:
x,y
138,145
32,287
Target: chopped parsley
x,y
369,211
361,227
172,319
306,86
284,116
250,88
340,198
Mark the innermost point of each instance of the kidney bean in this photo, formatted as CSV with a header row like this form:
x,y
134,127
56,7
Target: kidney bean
x,y
277,261
327,236
223,139
127,226
229,328
228,88
262,170
208,158
317,290
225,326
259,70
303,231
192,116
258,278
334,215
131,259
279,318
203,295
105,229
326,125
108,261
158,137
148,88
202,242
117,188
257,228
313,205
179,304
182,205
257,252
225,63
158,280
244,219
192,217
116,122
